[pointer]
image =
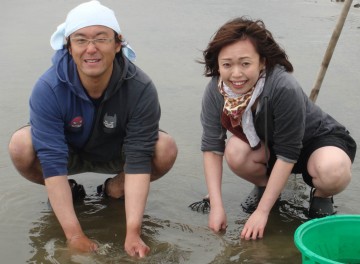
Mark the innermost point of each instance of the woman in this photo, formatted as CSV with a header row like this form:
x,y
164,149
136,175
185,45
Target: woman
x,y
276,130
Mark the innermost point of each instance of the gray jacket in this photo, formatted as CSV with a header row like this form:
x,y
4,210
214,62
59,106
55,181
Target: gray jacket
x,y
292,118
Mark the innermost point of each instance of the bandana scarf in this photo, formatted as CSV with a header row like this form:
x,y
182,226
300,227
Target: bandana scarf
x,y
88,14
238,108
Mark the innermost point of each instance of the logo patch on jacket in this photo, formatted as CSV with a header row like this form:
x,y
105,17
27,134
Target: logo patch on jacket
x,y
109,122
76,124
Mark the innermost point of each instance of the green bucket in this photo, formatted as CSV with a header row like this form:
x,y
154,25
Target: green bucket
x,y
332,239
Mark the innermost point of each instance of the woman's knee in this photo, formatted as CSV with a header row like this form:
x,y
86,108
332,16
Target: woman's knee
x,y
236,152
331,176
330,169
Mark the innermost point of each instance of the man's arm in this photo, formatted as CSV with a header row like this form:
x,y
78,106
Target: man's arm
x,y
60,197
136,193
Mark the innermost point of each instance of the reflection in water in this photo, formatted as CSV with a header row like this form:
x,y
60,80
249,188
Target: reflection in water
x,y
104,221
277,246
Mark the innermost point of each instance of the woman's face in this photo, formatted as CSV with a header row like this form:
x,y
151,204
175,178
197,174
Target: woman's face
x,y
240,66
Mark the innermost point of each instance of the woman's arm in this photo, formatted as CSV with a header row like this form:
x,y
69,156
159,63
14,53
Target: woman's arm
x,y
213,175
255,225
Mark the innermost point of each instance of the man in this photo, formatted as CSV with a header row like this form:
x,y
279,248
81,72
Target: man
x,y
94,111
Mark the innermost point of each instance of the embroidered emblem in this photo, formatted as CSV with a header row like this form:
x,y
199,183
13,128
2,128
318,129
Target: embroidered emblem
x,y
109,121
76,122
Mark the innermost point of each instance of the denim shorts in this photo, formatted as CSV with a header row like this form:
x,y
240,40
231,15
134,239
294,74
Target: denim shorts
x,y
337,138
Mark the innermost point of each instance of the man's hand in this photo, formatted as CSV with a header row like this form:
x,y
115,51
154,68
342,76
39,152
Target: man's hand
x,y
136,193
60,197
81,243
135,247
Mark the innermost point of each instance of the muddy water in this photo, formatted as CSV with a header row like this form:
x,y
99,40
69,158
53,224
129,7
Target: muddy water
x,y
168,37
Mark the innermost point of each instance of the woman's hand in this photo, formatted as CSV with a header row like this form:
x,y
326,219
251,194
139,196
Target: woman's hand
x,y
217,219
255,225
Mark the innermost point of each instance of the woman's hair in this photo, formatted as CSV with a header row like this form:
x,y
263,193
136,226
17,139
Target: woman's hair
x,y
239,29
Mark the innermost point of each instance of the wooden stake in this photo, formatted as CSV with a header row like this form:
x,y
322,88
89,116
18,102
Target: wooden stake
x,y
330,50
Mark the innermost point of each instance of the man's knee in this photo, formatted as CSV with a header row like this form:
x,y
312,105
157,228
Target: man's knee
x,y
165,154
20,146
23,156
166,147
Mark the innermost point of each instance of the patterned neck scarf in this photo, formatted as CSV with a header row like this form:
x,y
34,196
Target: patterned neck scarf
x,y
235,104
238,107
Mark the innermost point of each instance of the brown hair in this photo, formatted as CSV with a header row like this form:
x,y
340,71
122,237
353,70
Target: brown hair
x,y
239,29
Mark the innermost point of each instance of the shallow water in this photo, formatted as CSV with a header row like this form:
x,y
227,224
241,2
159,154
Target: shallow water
x,y
168,37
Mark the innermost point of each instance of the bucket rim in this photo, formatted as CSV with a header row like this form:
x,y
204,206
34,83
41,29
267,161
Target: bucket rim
x,y
299,232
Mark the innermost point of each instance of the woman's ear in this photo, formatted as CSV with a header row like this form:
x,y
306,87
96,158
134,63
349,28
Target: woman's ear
x,y
263,64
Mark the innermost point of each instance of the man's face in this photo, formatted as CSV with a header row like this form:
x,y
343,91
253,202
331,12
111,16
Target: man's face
x,y
94,59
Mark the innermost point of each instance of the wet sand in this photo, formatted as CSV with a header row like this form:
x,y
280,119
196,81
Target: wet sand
x,y
168,37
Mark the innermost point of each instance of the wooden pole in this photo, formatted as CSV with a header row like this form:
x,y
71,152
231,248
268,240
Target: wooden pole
x,y
330,50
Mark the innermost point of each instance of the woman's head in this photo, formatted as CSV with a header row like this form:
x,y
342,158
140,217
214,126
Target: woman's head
x,y
240,29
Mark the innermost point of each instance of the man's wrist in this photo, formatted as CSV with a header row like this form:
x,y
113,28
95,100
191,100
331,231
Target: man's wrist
x,y
74,232
75,237
133,229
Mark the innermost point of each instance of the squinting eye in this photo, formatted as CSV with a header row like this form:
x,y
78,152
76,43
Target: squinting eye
x,y
101,40
80,41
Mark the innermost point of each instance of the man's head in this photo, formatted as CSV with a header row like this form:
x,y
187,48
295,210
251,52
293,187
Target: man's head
x,y
93,49
87,14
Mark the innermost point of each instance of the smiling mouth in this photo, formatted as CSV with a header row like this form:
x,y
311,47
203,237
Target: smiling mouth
x,y
92,60
238,83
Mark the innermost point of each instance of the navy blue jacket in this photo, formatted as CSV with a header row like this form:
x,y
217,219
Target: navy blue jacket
x,y
62,115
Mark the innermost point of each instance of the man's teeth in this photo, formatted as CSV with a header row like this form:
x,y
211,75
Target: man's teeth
x,y
91,60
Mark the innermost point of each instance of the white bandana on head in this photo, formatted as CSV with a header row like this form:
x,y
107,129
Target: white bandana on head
x,y
88,14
